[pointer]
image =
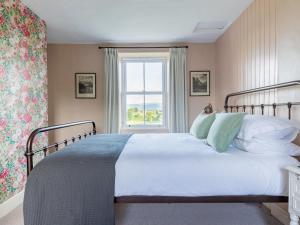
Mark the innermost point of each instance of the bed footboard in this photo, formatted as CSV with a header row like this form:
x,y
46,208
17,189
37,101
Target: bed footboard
x,y
29,153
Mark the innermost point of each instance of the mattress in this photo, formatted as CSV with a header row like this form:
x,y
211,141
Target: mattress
x,y
182,165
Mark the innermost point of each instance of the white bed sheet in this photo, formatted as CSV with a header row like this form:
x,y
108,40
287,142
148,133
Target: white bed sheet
x,y
182,165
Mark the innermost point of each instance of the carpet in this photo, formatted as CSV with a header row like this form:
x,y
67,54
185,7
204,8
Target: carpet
x,y
194,214
179,214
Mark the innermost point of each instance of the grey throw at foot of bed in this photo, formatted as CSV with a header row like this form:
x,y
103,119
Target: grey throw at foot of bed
x,y
75,186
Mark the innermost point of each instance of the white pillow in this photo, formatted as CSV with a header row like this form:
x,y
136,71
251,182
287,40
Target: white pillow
x,y
258,146
268,128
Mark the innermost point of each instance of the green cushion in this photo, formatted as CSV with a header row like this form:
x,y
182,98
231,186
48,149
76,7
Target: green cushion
x,y
202,124
224,129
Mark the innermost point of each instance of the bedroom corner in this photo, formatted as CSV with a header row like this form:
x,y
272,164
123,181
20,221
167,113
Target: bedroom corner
x,y
23,82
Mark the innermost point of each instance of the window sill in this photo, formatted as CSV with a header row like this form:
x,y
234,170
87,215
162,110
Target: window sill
x,y
144,130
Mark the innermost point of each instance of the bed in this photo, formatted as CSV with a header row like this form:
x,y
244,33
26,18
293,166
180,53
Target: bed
x,y
179,168
156,165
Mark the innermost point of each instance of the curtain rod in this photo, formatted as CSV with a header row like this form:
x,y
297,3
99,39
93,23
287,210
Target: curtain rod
x,y
136,47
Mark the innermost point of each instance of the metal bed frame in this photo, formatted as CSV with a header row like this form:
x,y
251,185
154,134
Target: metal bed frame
x,y
262,106
172,199
29,145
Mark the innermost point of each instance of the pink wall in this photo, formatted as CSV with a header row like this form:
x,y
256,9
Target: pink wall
x,y
63,62
201,57
260,48
289,49
247,53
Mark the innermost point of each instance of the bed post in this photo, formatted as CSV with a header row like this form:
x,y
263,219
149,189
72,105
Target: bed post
x,y
226,103
29,153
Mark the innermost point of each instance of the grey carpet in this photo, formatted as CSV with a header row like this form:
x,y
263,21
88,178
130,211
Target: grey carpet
x,y
179,214
194,214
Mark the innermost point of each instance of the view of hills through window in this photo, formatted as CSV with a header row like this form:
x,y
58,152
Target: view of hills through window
x,y
143,92
144,111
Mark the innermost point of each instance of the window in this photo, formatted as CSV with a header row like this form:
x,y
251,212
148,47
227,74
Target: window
x,y
143,92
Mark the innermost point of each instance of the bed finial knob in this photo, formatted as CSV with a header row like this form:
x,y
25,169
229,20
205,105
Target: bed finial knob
x,y
274,109
45,151
252,109
290,107
262,106
56,146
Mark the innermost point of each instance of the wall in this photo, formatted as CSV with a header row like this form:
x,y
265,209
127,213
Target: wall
x,y
201,57
289,51
261,48
65,60
247,53
23,90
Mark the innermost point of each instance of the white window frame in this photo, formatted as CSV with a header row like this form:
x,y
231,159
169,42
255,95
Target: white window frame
x,y
124,92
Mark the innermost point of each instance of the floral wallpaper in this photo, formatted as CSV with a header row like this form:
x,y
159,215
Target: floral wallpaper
x,y
23,90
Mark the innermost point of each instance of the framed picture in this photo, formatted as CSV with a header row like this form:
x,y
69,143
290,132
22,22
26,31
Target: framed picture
x,y
85,85
200,83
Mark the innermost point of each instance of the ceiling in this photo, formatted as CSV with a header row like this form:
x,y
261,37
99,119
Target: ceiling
x,y
134,21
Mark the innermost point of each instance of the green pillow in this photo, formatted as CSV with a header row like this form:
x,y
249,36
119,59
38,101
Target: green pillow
x,y
224,129
202,124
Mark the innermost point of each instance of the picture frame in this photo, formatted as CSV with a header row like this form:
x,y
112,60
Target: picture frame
x,y
200,83
85,85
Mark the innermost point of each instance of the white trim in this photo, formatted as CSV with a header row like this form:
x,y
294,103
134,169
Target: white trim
x,y
144,130
143,54
279,213
12,203
123,60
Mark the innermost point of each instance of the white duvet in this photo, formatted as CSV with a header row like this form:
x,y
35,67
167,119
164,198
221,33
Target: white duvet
x,y
182,165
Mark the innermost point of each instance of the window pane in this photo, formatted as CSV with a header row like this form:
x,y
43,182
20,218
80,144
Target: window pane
x,y
134,72
154,110
135,110
153,76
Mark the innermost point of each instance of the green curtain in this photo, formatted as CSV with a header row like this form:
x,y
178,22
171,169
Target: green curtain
x,y
178,91
111,90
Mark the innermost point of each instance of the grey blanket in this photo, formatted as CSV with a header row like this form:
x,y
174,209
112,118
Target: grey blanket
x,y
75,186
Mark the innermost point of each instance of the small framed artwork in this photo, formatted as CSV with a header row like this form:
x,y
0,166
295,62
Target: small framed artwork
x,y
85,85
200,83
